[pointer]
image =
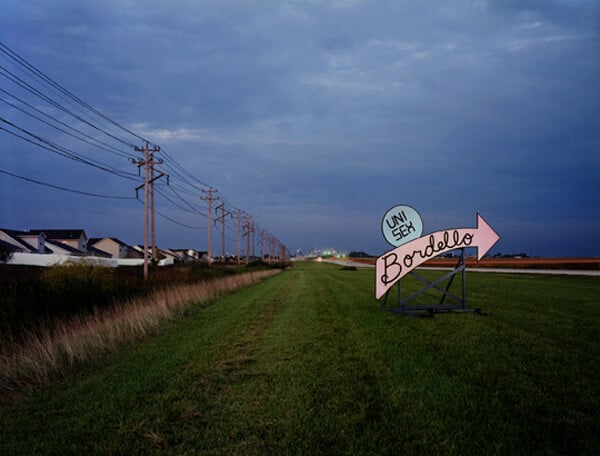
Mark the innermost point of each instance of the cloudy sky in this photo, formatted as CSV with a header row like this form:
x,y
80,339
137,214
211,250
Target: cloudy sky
x,y
315,117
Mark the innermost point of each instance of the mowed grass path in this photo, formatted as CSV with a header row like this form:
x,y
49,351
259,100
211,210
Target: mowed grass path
x,y
306,363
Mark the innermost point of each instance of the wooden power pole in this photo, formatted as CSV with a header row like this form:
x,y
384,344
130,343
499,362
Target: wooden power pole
x,y
248,225
147,163
239,217
224,213
153,178
209,199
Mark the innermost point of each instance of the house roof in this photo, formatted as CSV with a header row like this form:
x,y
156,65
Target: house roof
x,y
62,245
98,252
13,232
10,247
95,240
15,236
60,234
140,249
187,250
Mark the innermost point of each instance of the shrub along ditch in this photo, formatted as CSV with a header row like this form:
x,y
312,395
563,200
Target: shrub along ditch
x,y
34,296
68,342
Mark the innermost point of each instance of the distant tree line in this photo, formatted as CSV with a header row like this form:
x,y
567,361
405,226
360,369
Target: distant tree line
x,y
510,255
359,254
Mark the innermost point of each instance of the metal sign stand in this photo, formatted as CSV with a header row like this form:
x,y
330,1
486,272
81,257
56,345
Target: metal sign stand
x,y
460,303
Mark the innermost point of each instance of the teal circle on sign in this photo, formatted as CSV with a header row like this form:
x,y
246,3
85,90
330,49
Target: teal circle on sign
x,y
401,224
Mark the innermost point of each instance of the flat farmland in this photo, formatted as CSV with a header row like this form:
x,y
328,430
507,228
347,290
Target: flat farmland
x,y
305,362
567,264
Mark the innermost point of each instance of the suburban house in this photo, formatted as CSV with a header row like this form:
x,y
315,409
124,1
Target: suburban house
x,y
140,249
74,238
60,248
170,254
58,242
47,247
93,251
115,247
23,241
189,255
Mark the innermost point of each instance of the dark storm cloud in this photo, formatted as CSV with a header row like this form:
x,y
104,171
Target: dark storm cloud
x,y
309,114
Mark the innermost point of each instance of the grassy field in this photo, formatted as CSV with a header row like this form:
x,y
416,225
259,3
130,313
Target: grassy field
x,y
306,363
586,264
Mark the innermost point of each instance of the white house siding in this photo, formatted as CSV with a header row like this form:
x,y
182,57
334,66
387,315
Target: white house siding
x,y
140,261
34,259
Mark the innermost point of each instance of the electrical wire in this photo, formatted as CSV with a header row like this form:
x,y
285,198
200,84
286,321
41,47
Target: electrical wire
x,y
174,163
112,151
20,82
57,187
51,92
59,121
193,211
185,182
22,61
64,152
166,217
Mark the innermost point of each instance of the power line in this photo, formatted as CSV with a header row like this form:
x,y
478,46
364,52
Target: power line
x,y
183,170
166,217
177,169
20,82
57,187
188,185
59,121
53,94
23,62
108,149
193,192
64,152
193,210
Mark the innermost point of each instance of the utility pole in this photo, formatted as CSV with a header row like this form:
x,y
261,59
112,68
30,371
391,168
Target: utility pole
x,y
147,162
273,243
153,178
253,231
239,217
152,219
210,198
262,245
224,213
248,224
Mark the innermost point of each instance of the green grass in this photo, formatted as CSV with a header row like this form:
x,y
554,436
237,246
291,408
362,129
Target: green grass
x,y
32,296
306,363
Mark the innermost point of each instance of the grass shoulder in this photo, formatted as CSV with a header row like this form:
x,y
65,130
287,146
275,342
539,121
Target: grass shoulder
x,y
306,362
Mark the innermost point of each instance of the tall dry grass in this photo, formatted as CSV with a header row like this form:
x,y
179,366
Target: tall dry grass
x,y
47,351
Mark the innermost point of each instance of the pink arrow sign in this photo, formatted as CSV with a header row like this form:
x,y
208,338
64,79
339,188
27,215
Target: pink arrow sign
x,y
395,264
